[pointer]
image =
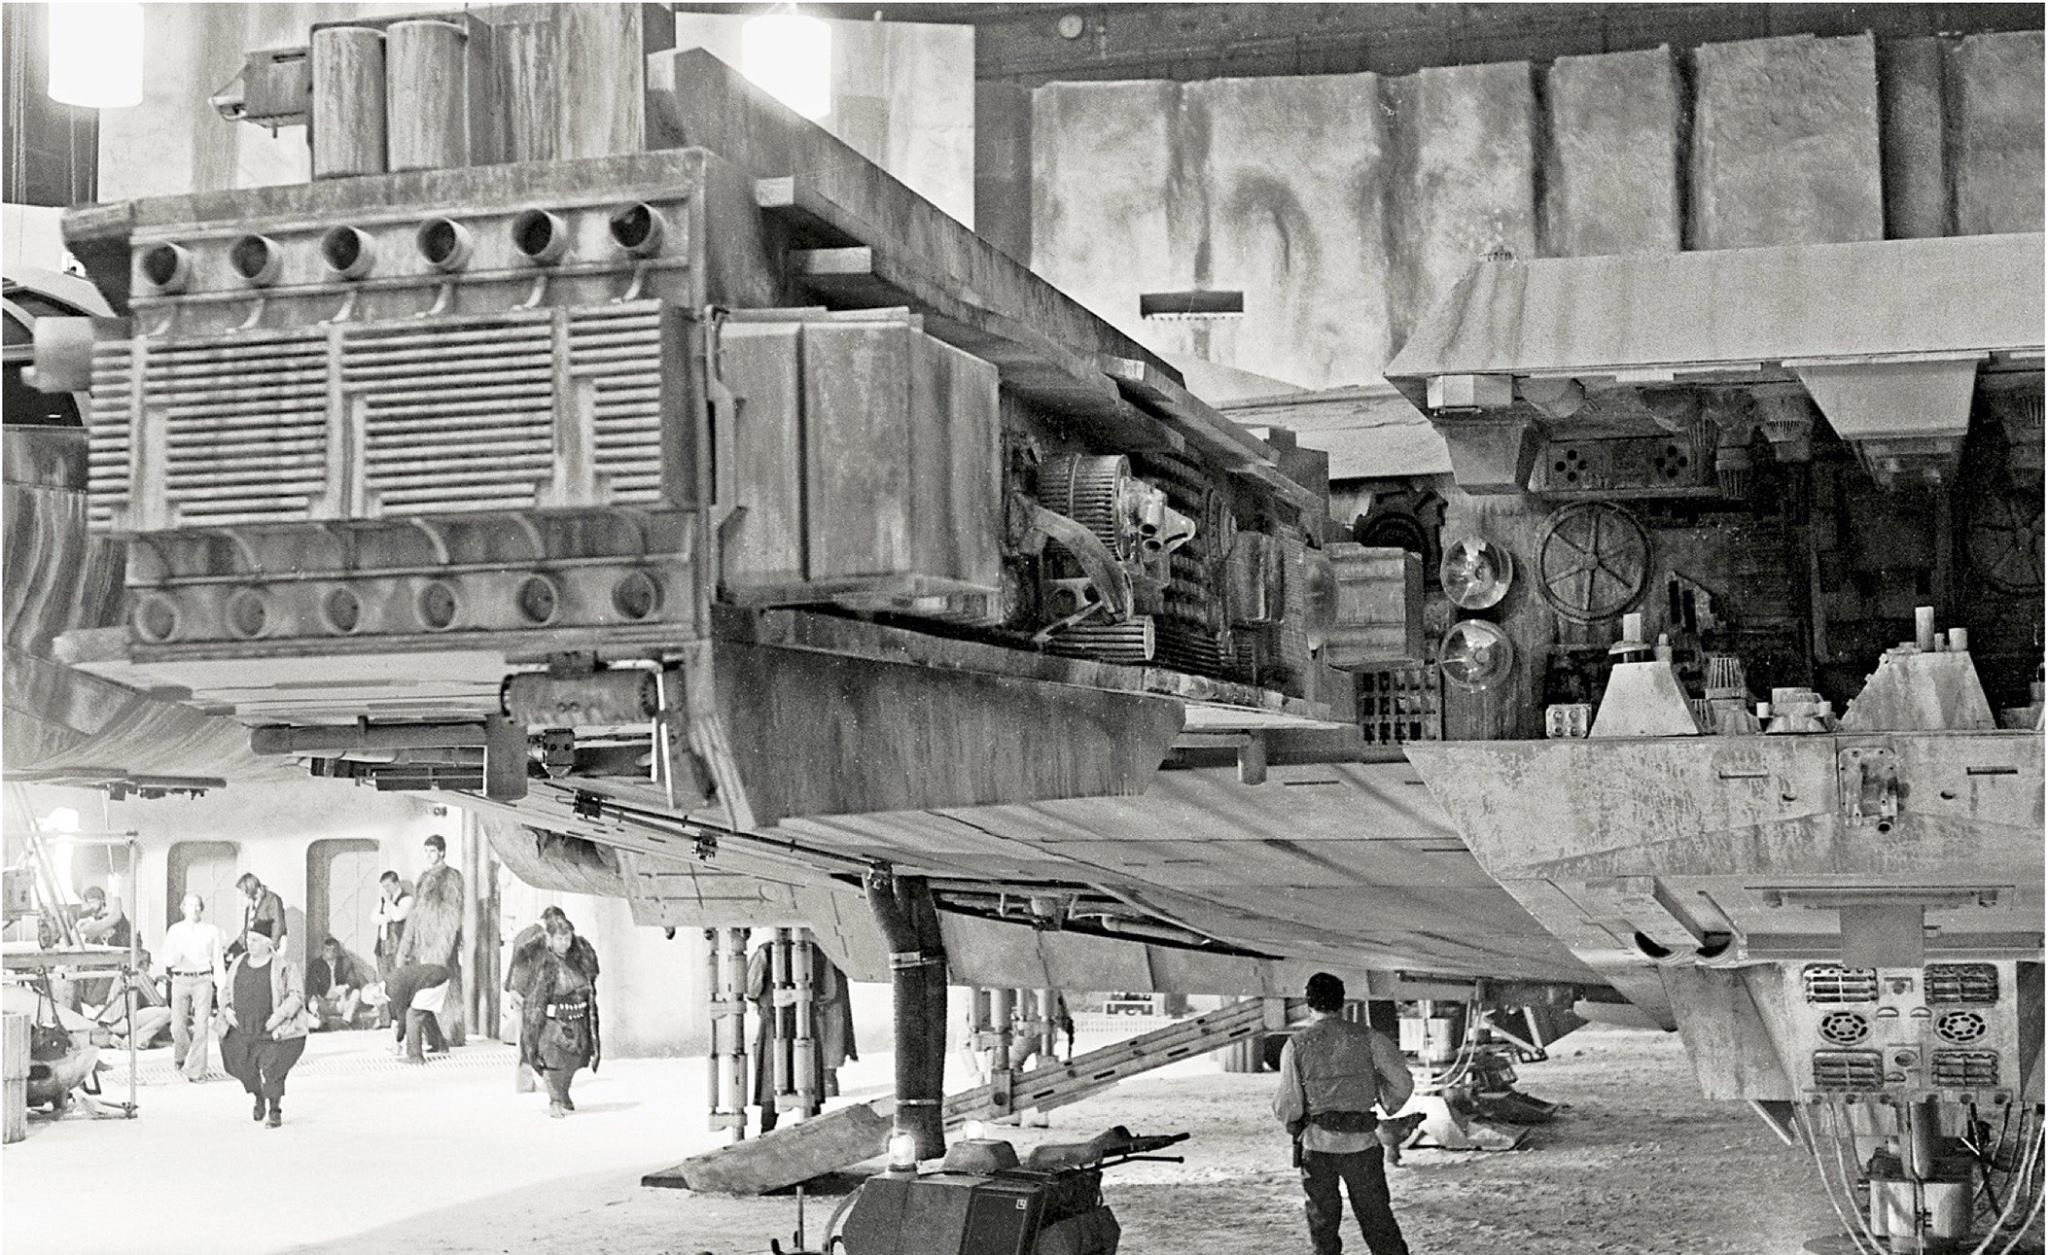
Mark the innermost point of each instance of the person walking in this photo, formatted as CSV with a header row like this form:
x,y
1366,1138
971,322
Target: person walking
x,y
1332,1074
264,1004
527,948
194,955
558,1014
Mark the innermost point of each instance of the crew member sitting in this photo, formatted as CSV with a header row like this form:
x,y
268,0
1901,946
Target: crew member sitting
x,y
334,986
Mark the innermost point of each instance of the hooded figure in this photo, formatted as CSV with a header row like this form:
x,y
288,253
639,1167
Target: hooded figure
x,y
433,932
558,1030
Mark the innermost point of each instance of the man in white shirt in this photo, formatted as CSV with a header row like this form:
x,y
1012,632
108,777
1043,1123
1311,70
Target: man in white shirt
x,y
193,954
394,906
1332,1074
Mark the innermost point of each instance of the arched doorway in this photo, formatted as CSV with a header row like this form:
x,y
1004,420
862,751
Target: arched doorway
x,y
206,868
341,897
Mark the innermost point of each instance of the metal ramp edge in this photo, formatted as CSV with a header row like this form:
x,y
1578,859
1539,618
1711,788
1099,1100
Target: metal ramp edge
x,y
839,1139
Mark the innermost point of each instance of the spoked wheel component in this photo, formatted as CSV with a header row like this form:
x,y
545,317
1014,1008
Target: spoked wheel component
x,y
2004,540
1592,561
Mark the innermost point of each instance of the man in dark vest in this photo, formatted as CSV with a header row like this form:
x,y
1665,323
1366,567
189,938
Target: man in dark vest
x,y
1332,1074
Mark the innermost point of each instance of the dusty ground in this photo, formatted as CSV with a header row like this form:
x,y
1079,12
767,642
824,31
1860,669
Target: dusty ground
x,y
374,1158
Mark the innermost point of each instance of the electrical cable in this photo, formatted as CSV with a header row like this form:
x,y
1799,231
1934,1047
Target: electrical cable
x,y
1804,1121
2015,1190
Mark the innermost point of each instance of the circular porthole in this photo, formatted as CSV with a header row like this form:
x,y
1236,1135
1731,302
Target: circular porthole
x,y
539,600
248,613
343,611
636,595
156,618
436,604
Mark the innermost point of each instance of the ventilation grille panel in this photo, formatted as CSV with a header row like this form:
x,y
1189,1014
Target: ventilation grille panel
x,y
1966,1069
1961,1028
1848,1070
245,425
1843,1028
1962,984
615,353
1831,983
455,419
110,431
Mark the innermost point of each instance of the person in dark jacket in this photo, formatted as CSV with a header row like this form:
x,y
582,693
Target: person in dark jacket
x,y
415,1024
334,986
264,1005
260,903
558,1013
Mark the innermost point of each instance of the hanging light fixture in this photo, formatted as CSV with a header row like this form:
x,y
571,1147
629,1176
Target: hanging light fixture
x,y
790,56
96,55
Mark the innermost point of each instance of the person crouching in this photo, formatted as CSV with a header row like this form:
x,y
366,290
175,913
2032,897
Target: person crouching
x,y
558,1014
264,1005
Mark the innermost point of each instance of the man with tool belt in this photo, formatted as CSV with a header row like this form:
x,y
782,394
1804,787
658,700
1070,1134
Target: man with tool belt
x,y
1332,1074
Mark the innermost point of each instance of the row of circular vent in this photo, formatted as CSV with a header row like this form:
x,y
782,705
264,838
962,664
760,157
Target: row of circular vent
x,y
436,607
1846,1028
540,237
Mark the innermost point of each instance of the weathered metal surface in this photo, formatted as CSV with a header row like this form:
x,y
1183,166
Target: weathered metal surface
x,y
1590,315
1606,840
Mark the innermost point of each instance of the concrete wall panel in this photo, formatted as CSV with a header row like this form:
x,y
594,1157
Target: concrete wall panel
x,y
1997,92
1295,176
1910,94
902,96
1105,169
1466,181
1785,143
1612,173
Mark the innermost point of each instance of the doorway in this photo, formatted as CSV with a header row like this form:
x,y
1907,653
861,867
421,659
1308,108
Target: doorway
x,y
206,868
341,897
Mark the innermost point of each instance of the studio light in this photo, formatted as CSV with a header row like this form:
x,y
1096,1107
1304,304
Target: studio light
x,y
96,55
790,56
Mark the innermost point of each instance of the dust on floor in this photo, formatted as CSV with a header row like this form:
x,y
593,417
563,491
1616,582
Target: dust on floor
x,y
447,1159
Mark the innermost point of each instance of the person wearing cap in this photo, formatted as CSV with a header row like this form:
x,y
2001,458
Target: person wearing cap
x,y
264,1004
1332,1074
558,1013
194,955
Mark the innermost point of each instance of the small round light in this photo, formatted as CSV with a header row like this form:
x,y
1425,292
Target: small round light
x,y
636,595
539,599
902,1152
436,603
343,611
156,618
974,1131
248,613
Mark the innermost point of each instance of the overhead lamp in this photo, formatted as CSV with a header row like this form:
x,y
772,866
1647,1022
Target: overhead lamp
x,y
96,55
790,57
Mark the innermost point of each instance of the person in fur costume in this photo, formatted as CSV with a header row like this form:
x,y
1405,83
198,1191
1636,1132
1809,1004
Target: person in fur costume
x,y
433,932
558,1013
527,948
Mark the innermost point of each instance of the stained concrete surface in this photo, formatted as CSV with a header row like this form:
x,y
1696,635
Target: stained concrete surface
x,y
376,1159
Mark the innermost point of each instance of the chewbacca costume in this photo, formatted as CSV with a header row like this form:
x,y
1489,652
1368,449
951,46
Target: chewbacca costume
x,y
527,947
558,1031
433,936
